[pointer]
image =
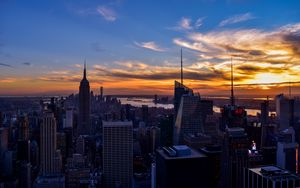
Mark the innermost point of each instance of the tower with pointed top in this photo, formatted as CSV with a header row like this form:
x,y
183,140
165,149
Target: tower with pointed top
x,y
84,105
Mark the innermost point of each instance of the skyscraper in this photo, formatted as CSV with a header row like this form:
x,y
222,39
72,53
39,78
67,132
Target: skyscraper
x,y
48,145
188,120
23,127
234,157
269,176
84,105
179,91
117,154
183,167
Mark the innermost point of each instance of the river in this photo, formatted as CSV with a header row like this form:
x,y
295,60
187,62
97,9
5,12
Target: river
x,y
139,101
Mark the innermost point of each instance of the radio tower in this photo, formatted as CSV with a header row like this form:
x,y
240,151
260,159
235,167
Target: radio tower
x,y
181,72
232,94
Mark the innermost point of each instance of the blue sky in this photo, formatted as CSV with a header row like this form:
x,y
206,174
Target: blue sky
x,y
38,38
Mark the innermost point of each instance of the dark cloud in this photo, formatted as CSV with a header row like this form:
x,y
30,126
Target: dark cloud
x,y
27,63
256,52
60,79
209,75
252,69
6,65
293,40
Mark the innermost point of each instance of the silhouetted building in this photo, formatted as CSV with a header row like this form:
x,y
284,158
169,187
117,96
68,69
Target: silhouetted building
x,y
49,164
117,154
264,112
101,93
179,91
269,177
188,118
23,127
213,152
233,116
285,111
69,121
166,129
287,150
25,174
145,113
180,166
84,106
234,157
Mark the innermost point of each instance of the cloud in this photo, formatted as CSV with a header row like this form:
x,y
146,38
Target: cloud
x,y
236,19
150,45
6,65
259,56
185,23
27,63
97,47
199,22
107,13
136,70
7,80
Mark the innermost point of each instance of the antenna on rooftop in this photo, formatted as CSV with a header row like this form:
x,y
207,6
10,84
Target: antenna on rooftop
x,y
232,94
181,72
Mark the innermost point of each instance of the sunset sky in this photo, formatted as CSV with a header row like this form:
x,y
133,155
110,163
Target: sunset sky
x,y
133,47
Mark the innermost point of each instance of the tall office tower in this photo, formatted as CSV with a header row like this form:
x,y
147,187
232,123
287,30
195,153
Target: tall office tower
x,y
84,106
179,91
188,120
166,129
145,113
287,150
264,112
233,116
269,176
1,120
101,93
234,157
117,154
24,174
69,121
284,111
206,108
48,145
23,127
23,146
154,138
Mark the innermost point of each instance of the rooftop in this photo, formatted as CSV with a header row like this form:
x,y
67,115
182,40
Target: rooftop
x,y
273,172
117,123
179,152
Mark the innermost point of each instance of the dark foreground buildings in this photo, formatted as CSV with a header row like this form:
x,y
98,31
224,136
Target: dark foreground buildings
x,y
180,166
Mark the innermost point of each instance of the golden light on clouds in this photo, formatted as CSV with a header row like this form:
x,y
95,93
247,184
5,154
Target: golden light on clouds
x,y
262,60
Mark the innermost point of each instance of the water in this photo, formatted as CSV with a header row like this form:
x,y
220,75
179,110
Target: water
x,y
139,101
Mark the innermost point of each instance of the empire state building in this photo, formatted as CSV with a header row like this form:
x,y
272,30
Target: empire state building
x,y
84,106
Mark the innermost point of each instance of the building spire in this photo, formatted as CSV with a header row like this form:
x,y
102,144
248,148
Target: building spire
x,y
84,70
232,94
181,72
290,90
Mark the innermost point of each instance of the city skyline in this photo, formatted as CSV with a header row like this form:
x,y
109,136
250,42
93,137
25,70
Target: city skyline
x,y
134,47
